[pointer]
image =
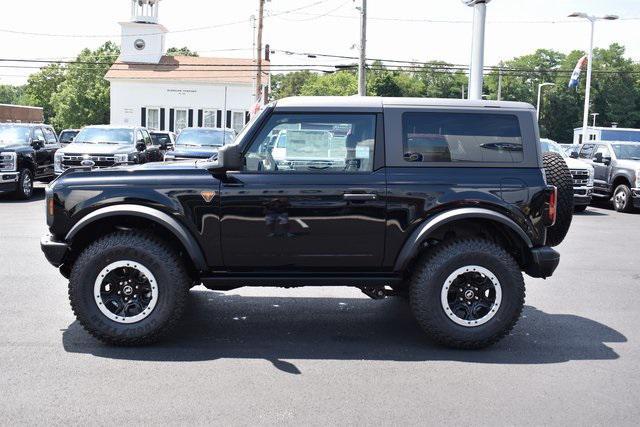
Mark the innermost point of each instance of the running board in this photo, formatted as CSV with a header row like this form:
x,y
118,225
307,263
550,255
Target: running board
x,y
235,280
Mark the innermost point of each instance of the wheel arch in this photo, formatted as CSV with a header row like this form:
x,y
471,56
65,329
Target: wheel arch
x,y
107,219
620,179
465,220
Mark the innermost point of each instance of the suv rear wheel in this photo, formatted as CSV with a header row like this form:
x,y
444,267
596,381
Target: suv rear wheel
x,y
128,288
467,293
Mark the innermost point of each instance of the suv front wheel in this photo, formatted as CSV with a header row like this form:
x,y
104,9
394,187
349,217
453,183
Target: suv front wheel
x,y
128,288
467,294
24,190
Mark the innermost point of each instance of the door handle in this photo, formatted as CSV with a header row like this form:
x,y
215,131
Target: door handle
x,y
359,197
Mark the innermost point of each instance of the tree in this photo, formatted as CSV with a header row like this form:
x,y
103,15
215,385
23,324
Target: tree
x,y
342,83
181,51
289,84
83,97
41,87
11,94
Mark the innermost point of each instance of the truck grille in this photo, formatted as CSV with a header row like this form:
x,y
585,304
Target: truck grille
x,y
580,177
75,160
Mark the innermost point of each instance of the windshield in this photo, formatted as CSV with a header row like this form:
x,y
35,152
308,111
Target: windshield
x,y
12,134
67,136
105,136
204,138
627,151
549,146
160,138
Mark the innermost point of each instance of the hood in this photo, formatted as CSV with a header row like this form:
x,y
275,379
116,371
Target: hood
x,y
577,164
10,146
182,164
194,152
76,148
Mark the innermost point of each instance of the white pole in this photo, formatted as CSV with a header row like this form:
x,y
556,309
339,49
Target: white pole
x,y
500,83
477,51
362,78
587,93
538,106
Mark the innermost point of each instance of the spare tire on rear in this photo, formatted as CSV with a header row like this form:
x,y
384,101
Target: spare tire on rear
x,y
558,174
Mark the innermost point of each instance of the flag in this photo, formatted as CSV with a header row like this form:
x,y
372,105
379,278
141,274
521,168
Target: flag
x,y
575,76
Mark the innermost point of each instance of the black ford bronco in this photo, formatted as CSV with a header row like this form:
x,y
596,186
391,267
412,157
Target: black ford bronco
x,y
26,155
445,202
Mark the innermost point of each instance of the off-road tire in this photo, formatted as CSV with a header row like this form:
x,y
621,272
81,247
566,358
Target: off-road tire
x,y
21,192
430,275
173,284
580,208
558,174
625,205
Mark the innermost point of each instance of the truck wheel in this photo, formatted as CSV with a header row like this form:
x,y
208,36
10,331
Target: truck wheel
x,y
558,174
128,288
24,190
467,293
622,198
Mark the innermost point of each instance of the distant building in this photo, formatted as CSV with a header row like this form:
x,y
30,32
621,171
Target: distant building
x,y
163,92
20,114
599,133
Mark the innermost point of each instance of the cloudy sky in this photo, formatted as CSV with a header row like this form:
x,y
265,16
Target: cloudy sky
x,y
397,29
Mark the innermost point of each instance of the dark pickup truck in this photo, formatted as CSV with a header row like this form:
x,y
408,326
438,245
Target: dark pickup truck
x,y
26,155
445,202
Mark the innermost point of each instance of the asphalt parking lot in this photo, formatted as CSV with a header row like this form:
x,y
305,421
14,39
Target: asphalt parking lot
x,y
318,356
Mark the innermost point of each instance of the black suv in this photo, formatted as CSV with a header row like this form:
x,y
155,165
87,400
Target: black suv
x,y
26,155
443,201
104,146
617,172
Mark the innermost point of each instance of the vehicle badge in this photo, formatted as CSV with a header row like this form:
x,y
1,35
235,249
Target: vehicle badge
x,y
89,163
208,195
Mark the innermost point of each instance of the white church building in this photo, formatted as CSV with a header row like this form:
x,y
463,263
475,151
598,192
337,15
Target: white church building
x,y
149,88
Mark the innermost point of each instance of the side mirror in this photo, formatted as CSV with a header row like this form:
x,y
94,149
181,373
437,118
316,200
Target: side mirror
x,y
574,155
606,160
140,145
229,159
37,144
598,158
163,145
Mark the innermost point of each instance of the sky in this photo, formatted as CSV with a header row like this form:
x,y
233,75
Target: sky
x,y
397,29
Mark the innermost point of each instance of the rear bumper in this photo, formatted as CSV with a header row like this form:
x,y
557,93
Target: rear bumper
x,y
54,251
544,261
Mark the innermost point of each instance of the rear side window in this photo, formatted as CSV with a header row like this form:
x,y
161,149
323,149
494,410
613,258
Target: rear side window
x,y
461,138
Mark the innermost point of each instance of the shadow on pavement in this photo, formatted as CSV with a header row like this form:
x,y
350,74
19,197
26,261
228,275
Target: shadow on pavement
x,y
276,328
590,212
7,197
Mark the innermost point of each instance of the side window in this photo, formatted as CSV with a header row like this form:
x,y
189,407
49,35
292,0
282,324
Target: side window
x,y
38,135
604,150
461,138
586,151
50,136
319,143
147,138
139,136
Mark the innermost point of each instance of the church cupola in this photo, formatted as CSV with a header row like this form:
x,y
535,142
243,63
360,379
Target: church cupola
x,y
143,38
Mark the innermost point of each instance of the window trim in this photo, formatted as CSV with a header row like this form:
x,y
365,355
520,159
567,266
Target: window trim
x,y
378,141
148,110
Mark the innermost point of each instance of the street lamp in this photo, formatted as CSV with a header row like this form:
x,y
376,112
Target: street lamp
x,y
477,47
540,86
592,19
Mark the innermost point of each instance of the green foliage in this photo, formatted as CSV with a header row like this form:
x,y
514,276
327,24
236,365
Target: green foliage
x,y
181,51
41,87
284,85
342,83
83,97
11,94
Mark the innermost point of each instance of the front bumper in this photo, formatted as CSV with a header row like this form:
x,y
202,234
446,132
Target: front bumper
x,y
635,197
9,181
582,195
544,261
54,251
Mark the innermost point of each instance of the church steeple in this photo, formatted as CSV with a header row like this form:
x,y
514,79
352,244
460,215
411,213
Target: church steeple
x,y
143,37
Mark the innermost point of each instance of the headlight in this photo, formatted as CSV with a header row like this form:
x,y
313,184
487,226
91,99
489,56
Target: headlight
x,y
57,162
8,162
121,158
590,180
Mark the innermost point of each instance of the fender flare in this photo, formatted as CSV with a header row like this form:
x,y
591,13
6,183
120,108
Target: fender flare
x,y
412,245
178,230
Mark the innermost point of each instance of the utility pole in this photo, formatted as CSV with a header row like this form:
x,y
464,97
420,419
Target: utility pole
x,y
500,83
259,51
462,92
477,47
362,78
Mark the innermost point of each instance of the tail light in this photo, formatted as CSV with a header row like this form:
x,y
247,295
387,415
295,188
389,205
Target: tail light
x,y
551,208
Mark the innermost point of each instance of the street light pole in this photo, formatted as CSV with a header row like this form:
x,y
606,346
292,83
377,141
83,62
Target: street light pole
x,y
540,86
477,47
362,64
587,94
